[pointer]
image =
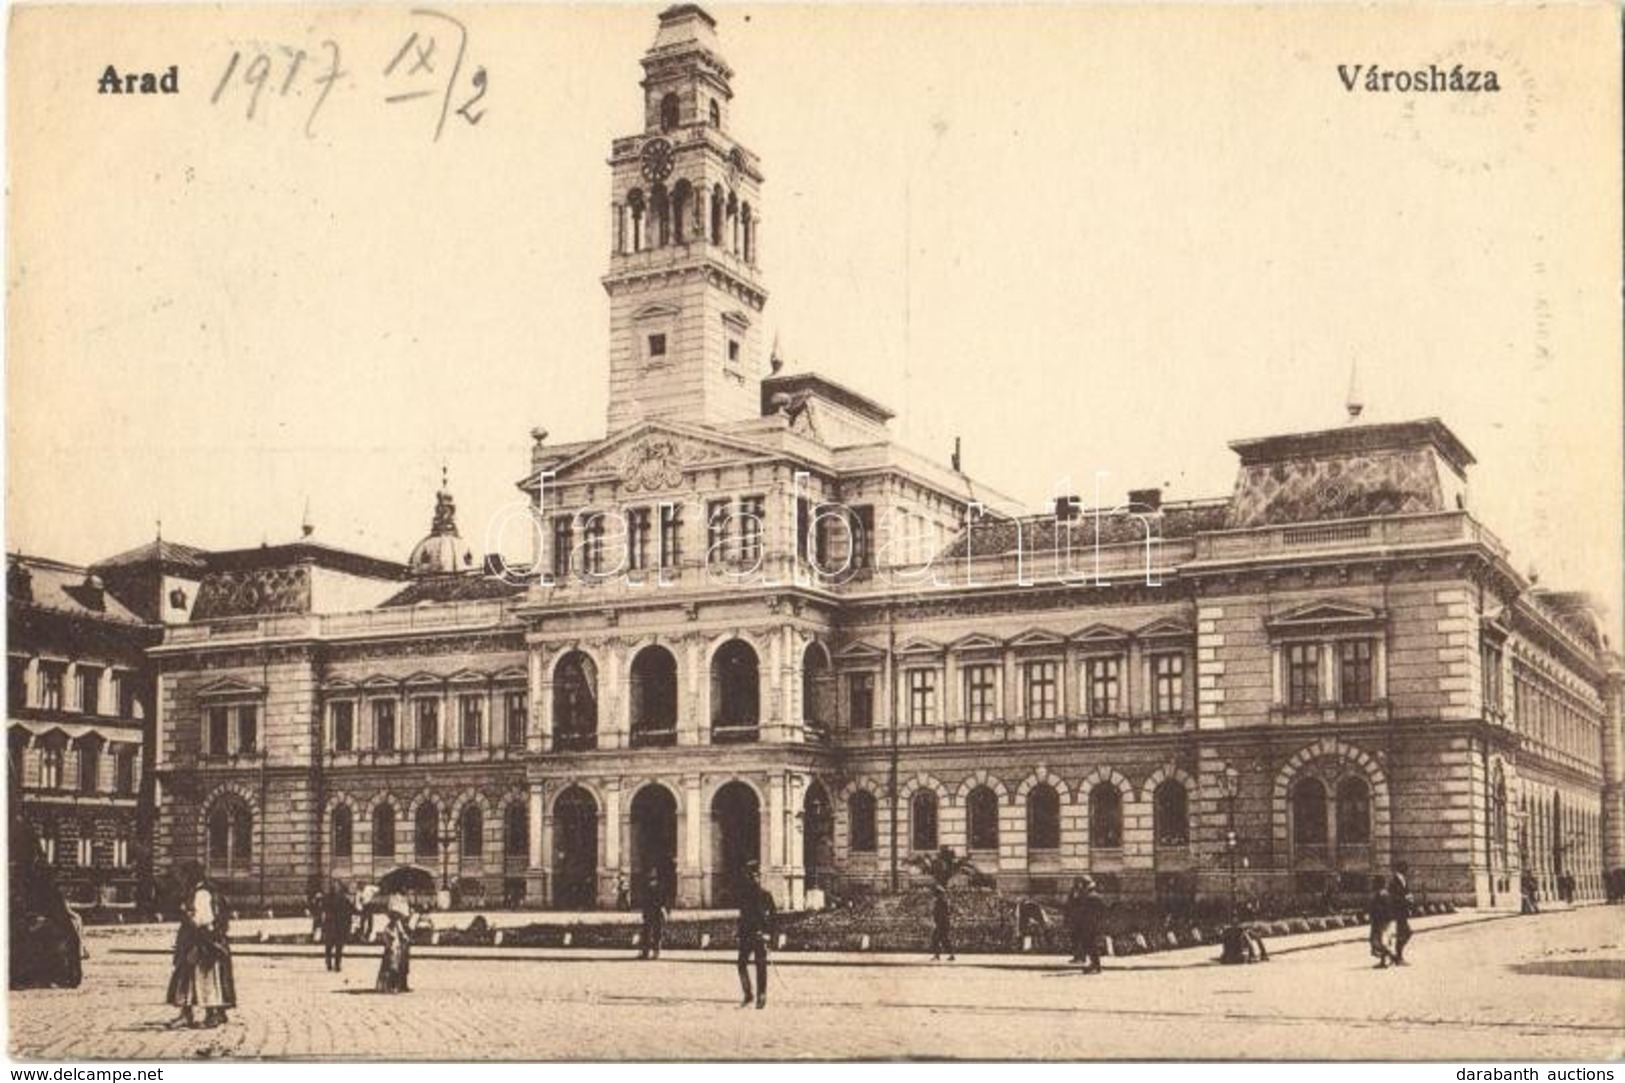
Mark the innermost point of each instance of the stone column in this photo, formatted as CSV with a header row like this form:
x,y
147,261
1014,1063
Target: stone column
x,y
609,855
692,824
540,858
690,655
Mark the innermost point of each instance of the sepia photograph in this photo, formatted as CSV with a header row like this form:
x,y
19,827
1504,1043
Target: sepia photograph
x,y
815,532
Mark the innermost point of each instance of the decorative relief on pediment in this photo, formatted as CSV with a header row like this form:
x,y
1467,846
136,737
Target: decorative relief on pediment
x,y
659,462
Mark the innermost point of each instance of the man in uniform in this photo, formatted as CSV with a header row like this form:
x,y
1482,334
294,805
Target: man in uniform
x,y
654,918
756,914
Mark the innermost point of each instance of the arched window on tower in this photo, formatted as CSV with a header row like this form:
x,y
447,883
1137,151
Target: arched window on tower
x,y
635,207
717,205
668,113
682,204
660,225
747,225
715,114
733,223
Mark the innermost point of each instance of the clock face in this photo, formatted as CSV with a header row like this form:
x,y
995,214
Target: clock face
x,y
657,160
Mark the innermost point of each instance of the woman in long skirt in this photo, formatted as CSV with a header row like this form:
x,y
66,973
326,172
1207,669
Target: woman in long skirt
x,y
397,961
202,976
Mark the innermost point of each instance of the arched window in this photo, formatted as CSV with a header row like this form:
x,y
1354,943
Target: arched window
x,y
654,698
1171,814
635,207
716,215
575,703
516,830
735,693
682,203
860,812
230,831
343,831
923,821
715,114
426,831
1105,817
668,113
660,208
983,810
1043,818
383,831
1309,813
471,833
1353,812
219,836
747,228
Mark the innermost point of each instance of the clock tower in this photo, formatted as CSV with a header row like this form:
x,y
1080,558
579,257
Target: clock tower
x,y
685,293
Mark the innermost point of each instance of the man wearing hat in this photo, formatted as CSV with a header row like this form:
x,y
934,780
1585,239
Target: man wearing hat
x,y
654,917
1085,913
756,913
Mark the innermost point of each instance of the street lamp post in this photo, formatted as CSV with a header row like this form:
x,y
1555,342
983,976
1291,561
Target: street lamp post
x,y
447,836
1232,841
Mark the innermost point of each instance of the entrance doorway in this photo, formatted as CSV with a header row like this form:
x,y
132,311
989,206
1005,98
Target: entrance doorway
x,y
575,850
736,838
654,842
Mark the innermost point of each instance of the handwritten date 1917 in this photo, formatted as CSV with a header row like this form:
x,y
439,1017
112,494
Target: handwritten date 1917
x,y
417,69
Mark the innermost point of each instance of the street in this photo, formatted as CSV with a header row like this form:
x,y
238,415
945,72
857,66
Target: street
x,y
1547,987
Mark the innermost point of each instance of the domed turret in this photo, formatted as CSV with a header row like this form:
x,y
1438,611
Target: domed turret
x,y
438,553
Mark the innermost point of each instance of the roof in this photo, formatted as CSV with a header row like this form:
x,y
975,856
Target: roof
x,y
453,588
166,554
1356,438
822,387
306,552
67,589
1038,533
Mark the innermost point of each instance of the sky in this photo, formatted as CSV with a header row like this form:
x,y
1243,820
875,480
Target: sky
x,y
1080,239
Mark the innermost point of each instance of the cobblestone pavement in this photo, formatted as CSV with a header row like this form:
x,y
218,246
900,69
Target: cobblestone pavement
x,y
1537,987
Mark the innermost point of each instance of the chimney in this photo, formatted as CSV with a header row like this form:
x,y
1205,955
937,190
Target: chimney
x,y
19,583
1144,500
1068,508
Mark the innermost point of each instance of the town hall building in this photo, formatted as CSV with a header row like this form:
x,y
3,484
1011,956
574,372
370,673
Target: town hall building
x,y
758,628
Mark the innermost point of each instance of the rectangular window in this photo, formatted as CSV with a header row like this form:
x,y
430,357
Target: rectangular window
x,y
1168,683
471,712
657,345
564,540
51,677
383,725
1103,677
121,852
90,761
1491,658
863,536
671,535
16,681
428,723
637,539
1303,674
48,844
84,853
860,699
751,513
718,526
124,772
733,351
218,737
518,717
124,694
90,689
248,728
981,693
592,544
922,697
50,768
343,726
1354,672
1043,683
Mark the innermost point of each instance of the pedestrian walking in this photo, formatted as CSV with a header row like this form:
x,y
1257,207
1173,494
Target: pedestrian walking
x,y
756,916
941,923
1382,918
338,910
623,897
1400,903
1086,920
654,918
202,975
1530,890
395,968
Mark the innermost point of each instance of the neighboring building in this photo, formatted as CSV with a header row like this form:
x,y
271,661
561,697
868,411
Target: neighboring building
x,y
78,726
727,650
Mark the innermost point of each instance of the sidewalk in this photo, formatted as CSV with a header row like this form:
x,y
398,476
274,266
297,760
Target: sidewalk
x,y
161,939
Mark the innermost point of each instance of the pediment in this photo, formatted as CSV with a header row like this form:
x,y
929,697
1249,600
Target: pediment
x,y
1165,629
380,683
467,676
1325,612
657,311
510,674
1038,637
976,641
860,652
1100,633
420,680
920,646
230,688
653,456
339,685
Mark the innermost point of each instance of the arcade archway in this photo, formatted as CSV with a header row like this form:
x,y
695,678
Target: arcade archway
x,y
736,839
654,842
575,850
